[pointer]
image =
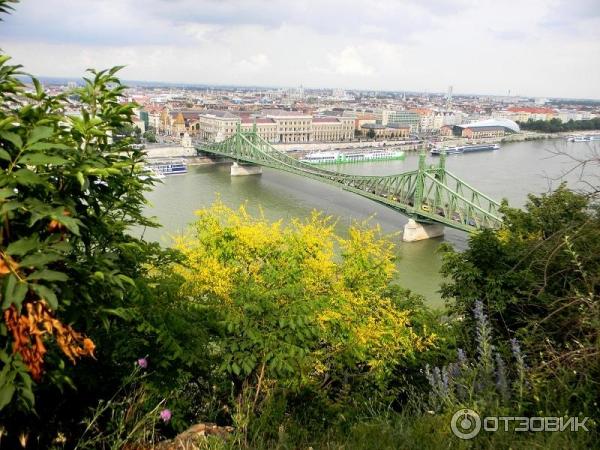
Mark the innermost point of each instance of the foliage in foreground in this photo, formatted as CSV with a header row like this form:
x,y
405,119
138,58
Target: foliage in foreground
x,y
292,317
538,277
296,336
75,285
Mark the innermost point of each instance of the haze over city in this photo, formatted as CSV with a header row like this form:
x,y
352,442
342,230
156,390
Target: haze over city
x,y
536,48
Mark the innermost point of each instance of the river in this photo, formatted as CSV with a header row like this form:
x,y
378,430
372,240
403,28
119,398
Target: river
x,y
511,172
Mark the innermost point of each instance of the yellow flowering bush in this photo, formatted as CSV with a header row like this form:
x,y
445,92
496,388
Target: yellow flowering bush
x,y
297,303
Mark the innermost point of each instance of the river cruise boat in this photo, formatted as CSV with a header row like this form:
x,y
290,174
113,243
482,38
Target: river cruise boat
x,y
584,138
150,173
458,149
344,158
172,167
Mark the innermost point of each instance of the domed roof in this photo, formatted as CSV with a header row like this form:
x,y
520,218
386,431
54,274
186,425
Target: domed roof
x,y
506,123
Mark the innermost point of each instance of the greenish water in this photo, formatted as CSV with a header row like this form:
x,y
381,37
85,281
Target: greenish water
x,y
511,172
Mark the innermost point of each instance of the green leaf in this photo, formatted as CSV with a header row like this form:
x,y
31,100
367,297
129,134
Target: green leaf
x,y
23,246
49,146
9,206
48,275
13,138
5,193
5,155
27,177
39,133
40,159
6,394
99,275
236,369
39,260
123,313
70,223
9,288
80,178
46,293
126,279
38,86
18,294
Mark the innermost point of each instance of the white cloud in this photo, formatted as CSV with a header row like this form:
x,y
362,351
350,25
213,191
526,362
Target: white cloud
x,y
349,62
255,63
538,47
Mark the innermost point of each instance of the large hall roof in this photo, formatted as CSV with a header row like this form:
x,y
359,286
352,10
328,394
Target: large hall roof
x,y
504,123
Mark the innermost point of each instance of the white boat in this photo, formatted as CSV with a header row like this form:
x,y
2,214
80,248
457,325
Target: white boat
x,y
150,173
464,149
584,138
171,167
335,157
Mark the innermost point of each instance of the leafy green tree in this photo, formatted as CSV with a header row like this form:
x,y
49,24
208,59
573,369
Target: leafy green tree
x,y
71,274
290,316
538,277
555,125
150,136
371,133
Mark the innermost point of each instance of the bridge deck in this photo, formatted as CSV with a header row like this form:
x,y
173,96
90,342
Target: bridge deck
x,y
429,194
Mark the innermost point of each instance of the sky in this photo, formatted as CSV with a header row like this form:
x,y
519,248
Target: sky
x,y
542,48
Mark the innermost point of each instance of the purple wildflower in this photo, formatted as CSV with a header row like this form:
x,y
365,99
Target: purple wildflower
x,y
454,370
484,338
445,379
429,376
143,363
165,415
516,351
501,381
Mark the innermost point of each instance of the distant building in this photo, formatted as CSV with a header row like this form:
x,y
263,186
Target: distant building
x,y
404,118
276,126
292,126
332,129
524,113
478,132
481,129
216,125
266,128
386,131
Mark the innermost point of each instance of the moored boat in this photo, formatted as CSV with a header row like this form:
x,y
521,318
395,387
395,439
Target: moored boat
x,y
589,138
464,149
336,157
171,167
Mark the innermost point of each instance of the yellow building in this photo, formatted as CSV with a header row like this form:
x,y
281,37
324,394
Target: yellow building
x,y
384,132
216,126
266,128
276,126
332,129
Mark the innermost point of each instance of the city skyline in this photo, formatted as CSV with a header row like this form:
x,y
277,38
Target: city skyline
x,y
478,47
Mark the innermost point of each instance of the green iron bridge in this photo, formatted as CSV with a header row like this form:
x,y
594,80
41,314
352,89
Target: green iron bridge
x,y
428,195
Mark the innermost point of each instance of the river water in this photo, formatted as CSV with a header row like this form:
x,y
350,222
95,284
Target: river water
x,y
511,172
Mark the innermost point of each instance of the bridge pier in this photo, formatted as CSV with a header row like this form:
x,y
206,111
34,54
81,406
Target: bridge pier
x,y
415,231
238,170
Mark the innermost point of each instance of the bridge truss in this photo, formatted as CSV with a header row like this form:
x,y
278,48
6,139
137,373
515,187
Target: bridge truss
x,y
429,194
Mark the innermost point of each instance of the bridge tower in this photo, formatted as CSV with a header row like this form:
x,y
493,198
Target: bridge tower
x,y
418,231
239,169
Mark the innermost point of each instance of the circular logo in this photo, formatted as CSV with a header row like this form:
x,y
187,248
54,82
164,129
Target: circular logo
x,y
465,424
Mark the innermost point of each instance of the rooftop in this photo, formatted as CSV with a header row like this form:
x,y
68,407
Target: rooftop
x,y
218,113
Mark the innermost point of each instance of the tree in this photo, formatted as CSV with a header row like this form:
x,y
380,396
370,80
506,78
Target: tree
x,y
67,198
538,276
150,136
290,315
371,133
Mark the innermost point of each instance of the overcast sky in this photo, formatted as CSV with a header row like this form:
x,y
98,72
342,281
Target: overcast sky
x,y
530,47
